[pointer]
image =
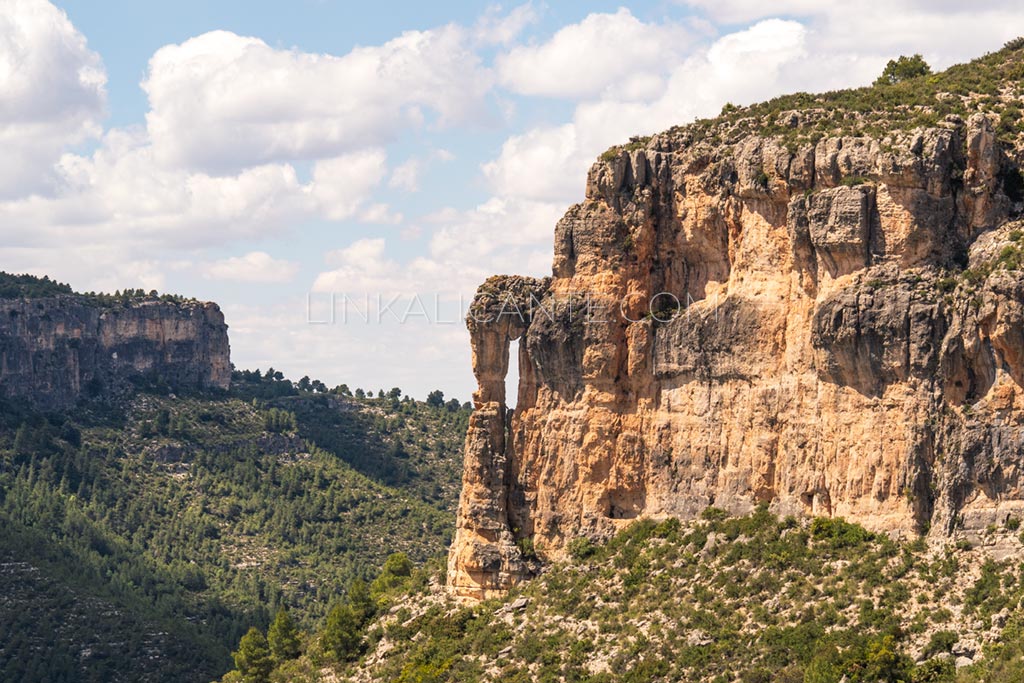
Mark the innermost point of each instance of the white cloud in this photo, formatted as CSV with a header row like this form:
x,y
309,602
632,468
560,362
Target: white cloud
x,y
945,31
381,214
340,185
602,51
120,194
52,93
406,176
740,11
495,28
363,268
256,266
540,164
465,248
506,235
222,101
549,163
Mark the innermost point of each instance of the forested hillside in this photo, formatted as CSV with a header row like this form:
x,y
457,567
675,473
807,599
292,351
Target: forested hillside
x,y
141,537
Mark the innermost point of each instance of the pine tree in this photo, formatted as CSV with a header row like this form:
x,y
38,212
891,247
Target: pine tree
x,y
253,658
360,601
283,637
163,421
903,69
23,440
340,638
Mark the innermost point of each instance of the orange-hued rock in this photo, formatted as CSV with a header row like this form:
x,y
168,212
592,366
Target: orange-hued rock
x,y
747,323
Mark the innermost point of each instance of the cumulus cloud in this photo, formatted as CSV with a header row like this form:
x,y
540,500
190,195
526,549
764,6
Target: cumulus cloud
x,y
120,194
549,163
52,93
380,214
222,101
945,31
493,27
538,164
739,11
256,266
340,185
465,247
602,51
362,267
406,176
503,234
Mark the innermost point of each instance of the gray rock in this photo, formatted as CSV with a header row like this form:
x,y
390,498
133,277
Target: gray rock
x,y
961,662
54,349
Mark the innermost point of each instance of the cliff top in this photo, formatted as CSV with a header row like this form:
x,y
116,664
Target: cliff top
x,y
992,84
30,287
25,286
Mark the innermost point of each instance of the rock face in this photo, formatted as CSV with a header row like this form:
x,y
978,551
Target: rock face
x,y
830,329
54,349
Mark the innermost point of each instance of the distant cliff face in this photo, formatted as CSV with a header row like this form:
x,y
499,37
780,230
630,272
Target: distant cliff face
x,y
54,349
831,328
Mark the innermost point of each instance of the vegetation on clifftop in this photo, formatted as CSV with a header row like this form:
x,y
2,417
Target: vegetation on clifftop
x,y
29,286
990,84
906,96
26,286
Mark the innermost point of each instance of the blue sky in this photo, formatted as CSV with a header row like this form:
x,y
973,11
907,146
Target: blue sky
x,y
271,155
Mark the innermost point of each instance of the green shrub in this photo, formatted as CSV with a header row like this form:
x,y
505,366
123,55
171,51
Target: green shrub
x,y
527,548
581,548
941,641
838,533
903,69
713,514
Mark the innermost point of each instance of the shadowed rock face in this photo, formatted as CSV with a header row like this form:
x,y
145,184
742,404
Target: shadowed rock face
x,y
52,350
822,351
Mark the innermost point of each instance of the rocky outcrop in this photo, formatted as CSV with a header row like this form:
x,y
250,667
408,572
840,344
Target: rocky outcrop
x,y
490,559
55,349
829,329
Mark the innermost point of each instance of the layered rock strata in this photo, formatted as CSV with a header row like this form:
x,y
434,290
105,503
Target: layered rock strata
x,y
833,328
53,350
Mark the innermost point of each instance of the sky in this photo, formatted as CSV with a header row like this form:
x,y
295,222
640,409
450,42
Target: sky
x,y
340,176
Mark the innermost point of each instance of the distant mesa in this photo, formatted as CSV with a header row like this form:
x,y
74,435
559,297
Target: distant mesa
x,y
57,346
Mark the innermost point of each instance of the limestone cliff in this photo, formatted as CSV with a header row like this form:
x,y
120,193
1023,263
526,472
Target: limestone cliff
x,y
819,311
54,349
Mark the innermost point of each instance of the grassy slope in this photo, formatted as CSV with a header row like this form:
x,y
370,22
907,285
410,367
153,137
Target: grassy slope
x,y
753,599
185,516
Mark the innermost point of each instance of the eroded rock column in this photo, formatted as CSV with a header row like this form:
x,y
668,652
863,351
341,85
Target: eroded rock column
x,y
484,559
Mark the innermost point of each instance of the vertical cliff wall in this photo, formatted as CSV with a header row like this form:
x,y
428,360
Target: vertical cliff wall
x,y
830,327
54,349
